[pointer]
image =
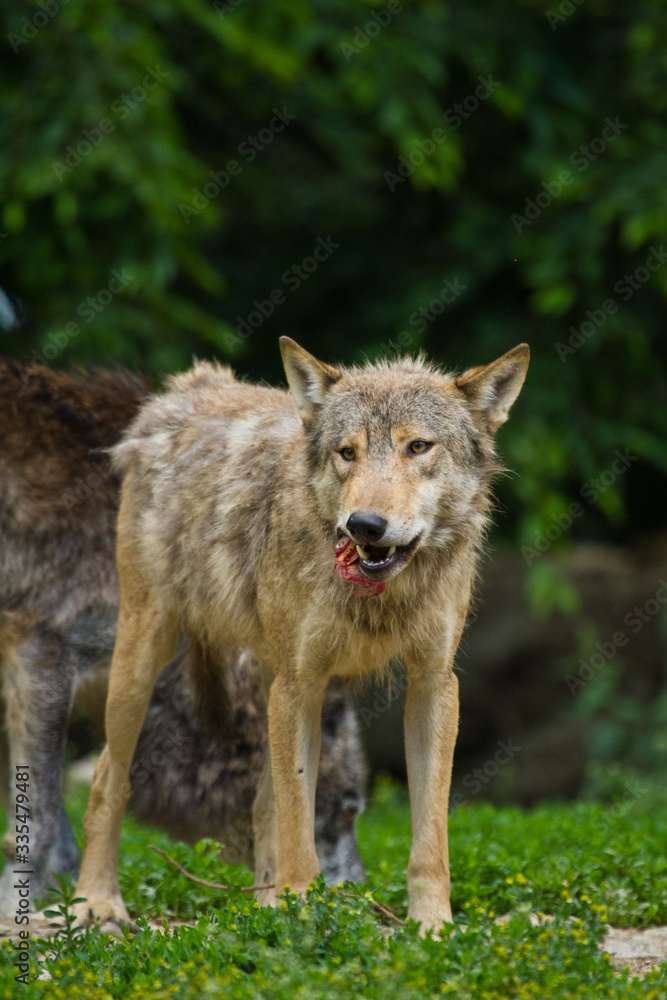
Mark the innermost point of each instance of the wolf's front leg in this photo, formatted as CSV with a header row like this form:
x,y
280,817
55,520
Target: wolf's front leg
x,y
431,723
295,709
265,835
145,641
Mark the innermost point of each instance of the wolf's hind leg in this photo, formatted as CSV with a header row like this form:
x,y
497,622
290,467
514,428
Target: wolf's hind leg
x,y
64,855
38,681
145,641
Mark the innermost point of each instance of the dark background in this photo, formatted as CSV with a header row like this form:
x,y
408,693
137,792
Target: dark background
x,y
517,152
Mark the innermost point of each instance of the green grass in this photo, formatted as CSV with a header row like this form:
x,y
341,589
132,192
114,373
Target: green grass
x,y
582,863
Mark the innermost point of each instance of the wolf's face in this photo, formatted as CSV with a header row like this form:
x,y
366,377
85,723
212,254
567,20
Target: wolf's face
x,y
402,455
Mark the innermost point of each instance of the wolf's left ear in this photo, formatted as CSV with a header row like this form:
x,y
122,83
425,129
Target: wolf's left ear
x,y
309,379
491,389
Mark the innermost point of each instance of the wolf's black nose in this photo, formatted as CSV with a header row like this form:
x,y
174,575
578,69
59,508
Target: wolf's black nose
x,y
365,526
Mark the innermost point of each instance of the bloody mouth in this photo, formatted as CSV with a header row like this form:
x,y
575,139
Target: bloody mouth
x,y
358,563
348,564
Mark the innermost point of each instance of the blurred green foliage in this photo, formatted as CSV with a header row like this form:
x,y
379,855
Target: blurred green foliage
x,y
499,167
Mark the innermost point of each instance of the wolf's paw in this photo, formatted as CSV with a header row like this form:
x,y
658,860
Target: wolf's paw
x,y
273,897
267,897
437,919
109,915
440,932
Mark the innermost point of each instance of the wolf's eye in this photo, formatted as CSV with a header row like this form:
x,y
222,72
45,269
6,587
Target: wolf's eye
x,y
348,454
419,447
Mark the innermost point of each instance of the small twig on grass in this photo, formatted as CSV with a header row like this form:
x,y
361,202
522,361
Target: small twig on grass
x,y
380,908
201,881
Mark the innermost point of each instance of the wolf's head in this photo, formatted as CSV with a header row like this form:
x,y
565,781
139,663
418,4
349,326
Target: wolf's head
x,y
402,455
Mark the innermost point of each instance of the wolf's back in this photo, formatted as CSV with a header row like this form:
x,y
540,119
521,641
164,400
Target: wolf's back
x,y
58,492
53,423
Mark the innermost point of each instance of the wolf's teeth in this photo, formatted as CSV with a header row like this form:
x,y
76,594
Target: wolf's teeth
x,y
363,554
391,550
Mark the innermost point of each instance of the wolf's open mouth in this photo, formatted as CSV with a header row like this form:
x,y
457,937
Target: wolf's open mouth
x,y
374,557
365,565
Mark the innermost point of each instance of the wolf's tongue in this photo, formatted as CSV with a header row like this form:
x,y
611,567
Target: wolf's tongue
x,y
346,557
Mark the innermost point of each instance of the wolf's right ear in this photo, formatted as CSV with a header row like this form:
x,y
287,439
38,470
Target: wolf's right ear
x,y
309,379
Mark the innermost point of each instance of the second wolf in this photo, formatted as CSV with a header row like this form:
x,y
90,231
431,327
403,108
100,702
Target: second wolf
x,y
238,503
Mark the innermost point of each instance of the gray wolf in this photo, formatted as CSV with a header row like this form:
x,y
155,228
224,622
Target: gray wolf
x,y
195,773
328,529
